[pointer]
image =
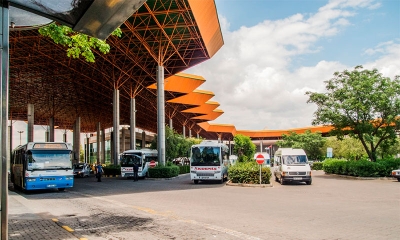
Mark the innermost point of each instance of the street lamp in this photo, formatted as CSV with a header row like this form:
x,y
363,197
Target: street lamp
x,y
20,132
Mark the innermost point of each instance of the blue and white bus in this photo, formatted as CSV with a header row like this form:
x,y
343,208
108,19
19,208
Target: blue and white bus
x,y
142,157
42,165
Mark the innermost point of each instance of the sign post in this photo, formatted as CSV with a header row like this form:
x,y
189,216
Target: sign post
x,y
152,163
260,161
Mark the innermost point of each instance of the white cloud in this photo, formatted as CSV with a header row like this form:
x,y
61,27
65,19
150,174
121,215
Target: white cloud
x,y
252,76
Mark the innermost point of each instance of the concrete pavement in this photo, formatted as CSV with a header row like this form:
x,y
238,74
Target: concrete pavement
x,y
24,223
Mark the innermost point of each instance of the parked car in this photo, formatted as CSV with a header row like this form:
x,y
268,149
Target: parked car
x,y
396,174
81,170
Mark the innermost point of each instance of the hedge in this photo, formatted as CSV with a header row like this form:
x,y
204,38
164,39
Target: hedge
x,y
317,166
361,168
184,169
164,171
112,170
249,172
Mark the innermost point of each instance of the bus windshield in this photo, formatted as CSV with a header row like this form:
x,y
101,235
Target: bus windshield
x,y
130,159
294,159
49,159
205,156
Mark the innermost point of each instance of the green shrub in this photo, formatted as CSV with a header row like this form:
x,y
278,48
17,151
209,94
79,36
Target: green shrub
x,y
249,172
164,172
112,170
361,168
184,169
317,166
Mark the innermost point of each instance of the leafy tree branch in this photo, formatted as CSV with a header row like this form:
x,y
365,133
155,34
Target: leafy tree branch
x,y
78,44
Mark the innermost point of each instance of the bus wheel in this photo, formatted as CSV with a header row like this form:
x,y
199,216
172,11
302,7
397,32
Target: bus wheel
x,y
61,189
196,181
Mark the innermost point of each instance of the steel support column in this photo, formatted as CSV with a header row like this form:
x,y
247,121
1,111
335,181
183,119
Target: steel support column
x,y
77,139
31,119
143,139
103,145
87,150
133,124
116,126
4,48
123,136
261,147
184,131
190,133
160,115
51,130
170,124
98,137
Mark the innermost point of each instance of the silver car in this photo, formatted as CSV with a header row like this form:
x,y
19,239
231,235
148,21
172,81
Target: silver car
x,y
396,174
81,170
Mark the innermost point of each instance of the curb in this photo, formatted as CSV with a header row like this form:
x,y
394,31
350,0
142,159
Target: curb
x,y
67,228
248,185
359,178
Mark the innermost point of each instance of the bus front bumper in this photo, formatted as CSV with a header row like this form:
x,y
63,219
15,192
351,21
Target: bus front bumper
x,y
49,182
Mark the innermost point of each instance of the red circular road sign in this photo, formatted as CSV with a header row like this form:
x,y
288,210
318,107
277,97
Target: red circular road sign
x,y
152,163
260,159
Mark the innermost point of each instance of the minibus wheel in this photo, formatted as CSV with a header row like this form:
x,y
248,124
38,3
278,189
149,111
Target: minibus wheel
x,y
281,181
196,181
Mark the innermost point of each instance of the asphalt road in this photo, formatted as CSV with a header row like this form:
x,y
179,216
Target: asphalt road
x,y
331,208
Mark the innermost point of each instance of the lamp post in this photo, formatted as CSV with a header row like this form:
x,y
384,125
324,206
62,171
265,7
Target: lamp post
x,y
20,132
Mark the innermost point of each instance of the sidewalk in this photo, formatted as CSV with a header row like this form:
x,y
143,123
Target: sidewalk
x,y
24,224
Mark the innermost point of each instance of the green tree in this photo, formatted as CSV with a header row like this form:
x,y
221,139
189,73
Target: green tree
x,y
312,143
175,144
348,148
244,148
362,104
78,44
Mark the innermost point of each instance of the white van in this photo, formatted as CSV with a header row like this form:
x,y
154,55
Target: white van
x,y
291,165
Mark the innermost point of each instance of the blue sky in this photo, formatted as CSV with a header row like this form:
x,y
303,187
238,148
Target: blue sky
x,y
276,50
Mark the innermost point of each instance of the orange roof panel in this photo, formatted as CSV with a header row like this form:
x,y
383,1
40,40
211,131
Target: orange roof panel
x,y
204,108
181,82
210,116
193,98
206,17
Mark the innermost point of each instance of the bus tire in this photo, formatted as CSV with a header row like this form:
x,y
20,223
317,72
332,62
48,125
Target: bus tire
x,y
196,181
61,189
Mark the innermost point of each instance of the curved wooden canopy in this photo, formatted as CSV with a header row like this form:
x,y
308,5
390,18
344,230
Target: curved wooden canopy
x,y
176,34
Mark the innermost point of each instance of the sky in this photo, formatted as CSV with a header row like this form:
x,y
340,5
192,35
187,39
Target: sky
x,y
276,50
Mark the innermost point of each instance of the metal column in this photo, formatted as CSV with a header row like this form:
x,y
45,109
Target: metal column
x,y
123,136
103,145
87,149
160,115
4,118
184,131
190,133
77,139
261,147
116,126
143,139
51,129
98,152
31,119
170,124
133,124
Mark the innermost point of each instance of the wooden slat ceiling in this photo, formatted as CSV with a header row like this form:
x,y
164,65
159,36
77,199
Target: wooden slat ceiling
x,y
162,32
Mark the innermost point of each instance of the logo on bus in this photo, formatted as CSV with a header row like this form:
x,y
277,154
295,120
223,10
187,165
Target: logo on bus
x,y
205,168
